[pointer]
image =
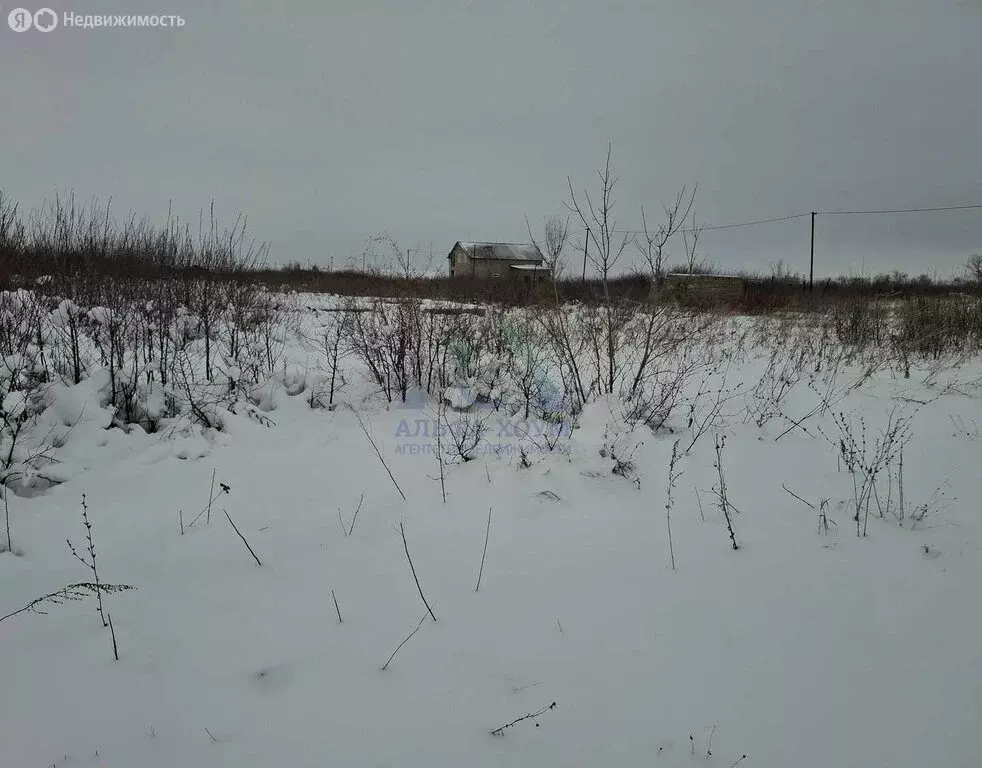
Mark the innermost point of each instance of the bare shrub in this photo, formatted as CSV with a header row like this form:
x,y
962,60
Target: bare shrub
x,y
707,407
67,322
561,326
334,344
868,458
619,447
203,402
859,322
24,378
785,368
933,327
721,491
249,342
662,356
384,339
465,431
528,364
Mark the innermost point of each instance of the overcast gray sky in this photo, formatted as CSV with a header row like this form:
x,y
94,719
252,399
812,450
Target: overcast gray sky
x,y
328,120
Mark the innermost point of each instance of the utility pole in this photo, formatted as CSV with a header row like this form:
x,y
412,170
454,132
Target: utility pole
x,y
586,247
811,269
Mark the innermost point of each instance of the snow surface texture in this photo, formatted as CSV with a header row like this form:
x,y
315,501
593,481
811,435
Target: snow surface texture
x,y
808,646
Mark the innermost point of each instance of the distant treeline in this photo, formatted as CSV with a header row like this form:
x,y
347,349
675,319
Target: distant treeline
x,y
65,238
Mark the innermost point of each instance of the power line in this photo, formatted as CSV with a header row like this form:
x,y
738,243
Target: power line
x,y
714,227
793,216
810,214
901,210
753,223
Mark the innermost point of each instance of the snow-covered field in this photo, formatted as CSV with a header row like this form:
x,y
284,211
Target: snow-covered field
x,y
797,642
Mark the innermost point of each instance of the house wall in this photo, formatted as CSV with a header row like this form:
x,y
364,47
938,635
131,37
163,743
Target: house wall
x,y
492,268
465,266
462,264
719,287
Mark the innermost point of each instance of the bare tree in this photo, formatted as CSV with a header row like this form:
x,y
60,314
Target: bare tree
x,y
13,235
652,247
607,248
336,346
973,268
369,253
556,235
553,243
598,221
694,263
406,261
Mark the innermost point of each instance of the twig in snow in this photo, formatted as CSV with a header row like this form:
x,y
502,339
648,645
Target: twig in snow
x,y
353,518
530,716
336,606
672,478
91,562
112,631
709,746
714,413
211,496
829,399
402,529
408,638
823,518
487,535
258,561
803,501
378,453
900,479
222,488
6,512
180,517
72,592
213,739
702,515
439,447
742,758
720,490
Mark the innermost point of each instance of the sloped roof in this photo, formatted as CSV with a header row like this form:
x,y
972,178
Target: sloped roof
x,y
502,251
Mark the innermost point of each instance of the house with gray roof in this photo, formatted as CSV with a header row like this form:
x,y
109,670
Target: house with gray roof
x,y
496,260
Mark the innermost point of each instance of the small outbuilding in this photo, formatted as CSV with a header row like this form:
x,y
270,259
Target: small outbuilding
x,y
705,287
496,260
